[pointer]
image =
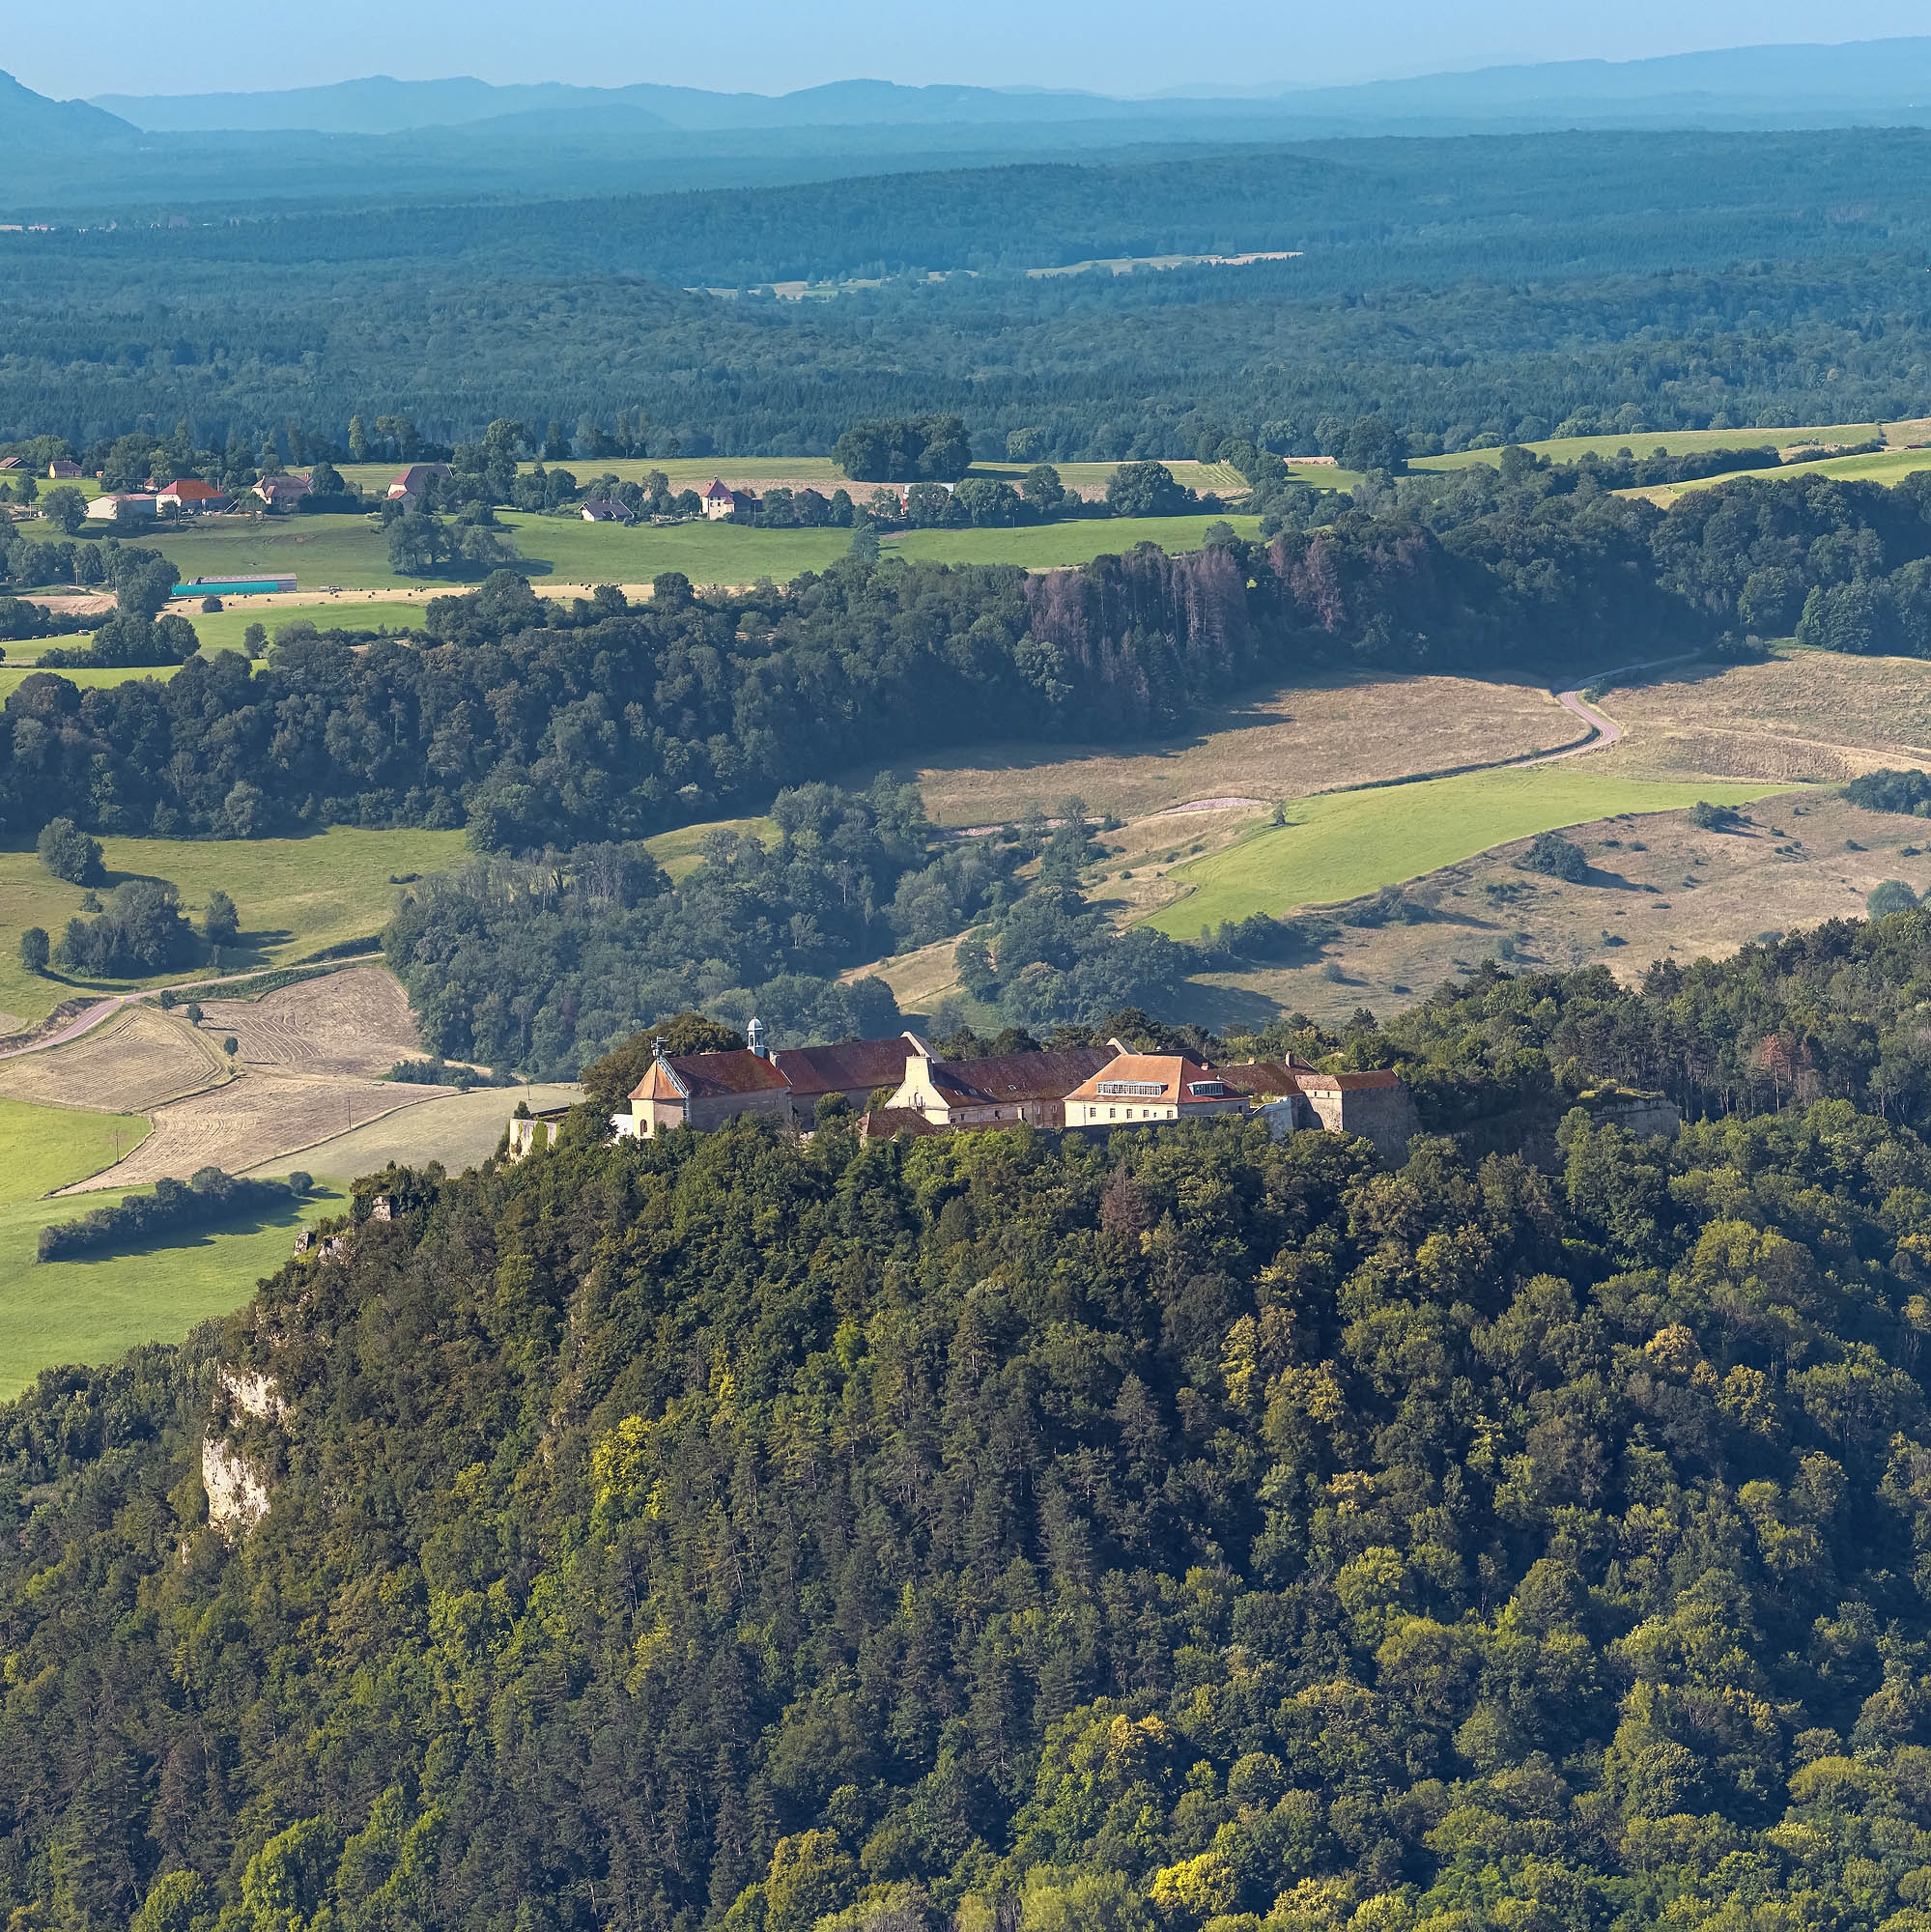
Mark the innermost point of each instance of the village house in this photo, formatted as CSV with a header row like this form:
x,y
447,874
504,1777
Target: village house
x,y
410,482
62,470
606,510
720,501
282,493
190,495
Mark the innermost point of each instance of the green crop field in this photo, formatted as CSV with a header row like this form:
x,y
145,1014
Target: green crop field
x,y
93,1310
296,895
1342,844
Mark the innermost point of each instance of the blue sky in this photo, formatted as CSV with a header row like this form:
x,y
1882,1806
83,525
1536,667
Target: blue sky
x,y
1116,46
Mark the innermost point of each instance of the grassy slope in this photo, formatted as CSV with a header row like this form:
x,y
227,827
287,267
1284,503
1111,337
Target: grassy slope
x,y
680,852
1343,844
93,1310
1878,465
295,895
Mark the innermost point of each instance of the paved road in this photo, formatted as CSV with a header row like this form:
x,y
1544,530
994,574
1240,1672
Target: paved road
x,y
1607,731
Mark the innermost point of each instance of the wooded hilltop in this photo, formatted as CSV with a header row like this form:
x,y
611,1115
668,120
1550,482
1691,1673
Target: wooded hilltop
x,y
1189,1533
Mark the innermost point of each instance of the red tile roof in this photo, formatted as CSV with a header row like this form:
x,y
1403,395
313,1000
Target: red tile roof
x,y
709,1076
1008,1077
844,1069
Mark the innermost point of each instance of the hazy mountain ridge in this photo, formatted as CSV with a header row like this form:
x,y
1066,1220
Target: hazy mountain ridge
x,y
1857,82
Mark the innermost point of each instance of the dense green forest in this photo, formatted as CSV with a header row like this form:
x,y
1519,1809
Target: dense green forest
x,y
1174,1532
1465,286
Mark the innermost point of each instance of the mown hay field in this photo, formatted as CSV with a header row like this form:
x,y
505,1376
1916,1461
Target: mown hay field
x,y
1278,742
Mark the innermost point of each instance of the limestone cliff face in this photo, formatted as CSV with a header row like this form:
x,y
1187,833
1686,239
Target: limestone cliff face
x,y
237,1487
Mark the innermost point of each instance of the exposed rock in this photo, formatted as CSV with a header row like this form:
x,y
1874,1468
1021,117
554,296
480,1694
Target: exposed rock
x,y
237,1491
238,1494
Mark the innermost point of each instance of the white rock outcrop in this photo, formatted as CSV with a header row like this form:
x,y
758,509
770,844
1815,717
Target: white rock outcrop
x,y
237,1491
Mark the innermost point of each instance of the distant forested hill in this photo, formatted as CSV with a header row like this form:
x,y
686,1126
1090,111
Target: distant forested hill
x,y
1660,279
1179,1533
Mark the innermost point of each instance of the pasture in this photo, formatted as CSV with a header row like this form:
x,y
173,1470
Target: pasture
x,y
1817,715
1877,466
1658,886
354,553
1273,743
93,1310
296,895
1339,846
461,1131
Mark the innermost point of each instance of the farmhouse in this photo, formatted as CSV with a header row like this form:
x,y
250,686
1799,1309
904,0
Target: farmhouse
x,y
411,481
118,508
9,462
190,495
720,501
62,470
606,510
282,493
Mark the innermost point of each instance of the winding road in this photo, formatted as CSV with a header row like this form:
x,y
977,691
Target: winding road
x,y
1604,730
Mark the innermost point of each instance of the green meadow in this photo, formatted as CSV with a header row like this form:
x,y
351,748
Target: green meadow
x,y
354,553
224,630
296,897
1877,466
1343,844
96,1309
1645,442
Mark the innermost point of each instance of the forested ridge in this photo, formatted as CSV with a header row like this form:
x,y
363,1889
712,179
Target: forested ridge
x,y
1463,285
539,723
1180,1531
